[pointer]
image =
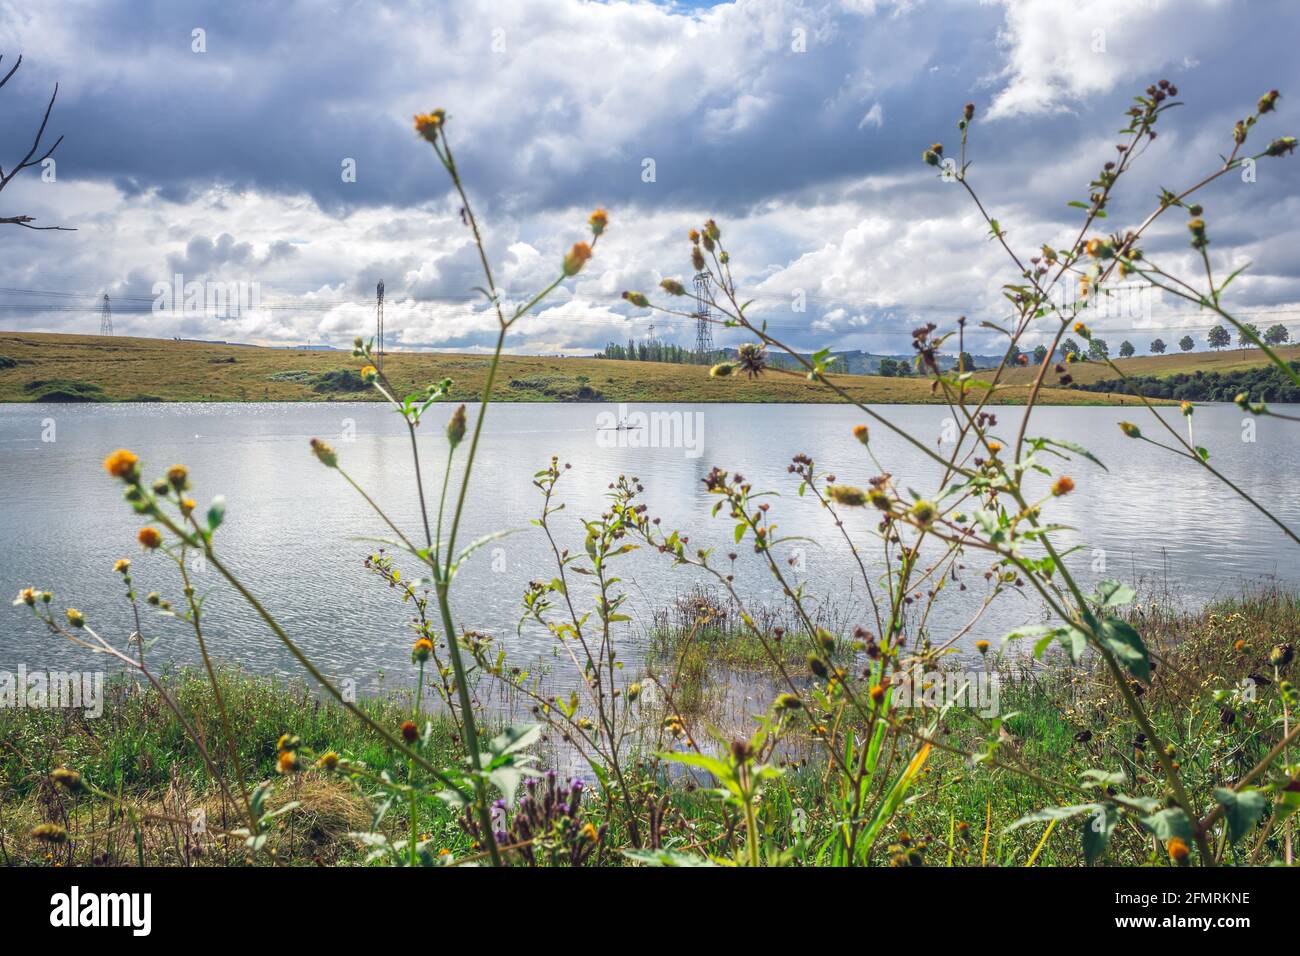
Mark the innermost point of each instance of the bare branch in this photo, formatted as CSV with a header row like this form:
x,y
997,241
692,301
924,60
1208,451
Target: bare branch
x,y
30,159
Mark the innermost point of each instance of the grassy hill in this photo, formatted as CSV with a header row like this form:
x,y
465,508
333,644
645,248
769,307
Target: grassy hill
x,y
38,366
1228,360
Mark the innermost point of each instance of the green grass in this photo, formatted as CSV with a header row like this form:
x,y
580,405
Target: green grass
x,y
1062,719
122,369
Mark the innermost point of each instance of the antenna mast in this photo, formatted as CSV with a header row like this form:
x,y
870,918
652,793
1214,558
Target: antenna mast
x,y
105,318
703,319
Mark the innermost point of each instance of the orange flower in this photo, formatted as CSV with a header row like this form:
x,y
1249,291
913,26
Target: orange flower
x,y
1063,486
576,258
599,220
286,762
149,537
410,733
1178,850
121,464
861,433
422,651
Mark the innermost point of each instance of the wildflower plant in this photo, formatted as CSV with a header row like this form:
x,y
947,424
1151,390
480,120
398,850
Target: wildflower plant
x,y
983,506
984,524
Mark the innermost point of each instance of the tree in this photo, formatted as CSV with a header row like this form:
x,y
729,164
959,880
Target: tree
x,y
1219,337
31,158
1246,341
1098,349
888,368
1040,353
1276,335
1069,347
1158,347
967,361
1126,349
1186,343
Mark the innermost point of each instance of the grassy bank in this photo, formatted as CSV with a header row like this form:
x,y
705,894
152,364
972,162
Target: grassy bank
x,y
1062,720
49,367
1163,366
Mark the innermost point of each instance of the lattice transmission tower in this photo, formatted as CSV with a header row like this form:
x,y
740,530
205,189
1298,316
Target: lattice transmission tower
x,y
379,321
105,318
704,317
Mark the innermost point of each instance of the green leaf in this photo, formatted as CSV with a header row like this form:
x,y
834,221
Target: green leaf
x,y
1243,809
1126,644
1068,446
1113,594
1096,831
514,739
216,512
1168,824
1051,813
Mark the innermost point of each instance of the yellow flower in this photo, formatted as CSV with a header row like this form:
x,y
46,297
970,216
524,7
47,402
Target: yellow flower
x,y
149,537
179,477
877,693
924,512
722,370
27,596
577,258
847,495
1081,329
68,779
982,646
328,457
861,433
49,833
369,373
1131,430
122,565
76,618
422,651
286,761
428,124
328,760
598,221
121,464
187,506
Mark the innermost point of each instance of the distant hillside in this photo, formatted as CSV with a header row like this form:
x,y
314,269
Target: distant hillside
x,y
37,366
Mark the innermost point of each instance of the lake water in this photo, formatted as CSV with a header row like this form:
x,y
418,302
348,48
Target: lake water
x,y
291,523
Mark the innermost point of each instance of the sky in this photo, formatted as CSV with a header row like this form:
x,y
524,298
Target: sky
x,y
214,141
